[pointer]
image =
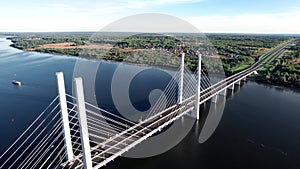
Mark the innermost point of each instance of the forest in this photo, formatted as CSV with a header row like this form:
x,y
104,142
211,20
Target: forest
x,y
285,69
230,53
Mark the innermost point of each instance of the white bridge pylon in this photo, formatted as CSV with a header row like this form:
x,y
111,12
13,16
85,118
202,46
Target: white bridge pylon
x,y
180,109
71,133
64,114
127,138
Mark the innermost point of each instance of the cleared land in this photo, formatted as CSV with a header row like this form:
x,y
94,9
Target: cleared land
x,y
236,51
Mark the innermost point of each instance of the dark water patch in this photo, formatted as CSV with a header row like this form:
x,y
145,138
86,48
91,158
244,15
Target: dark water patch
x,y
259,127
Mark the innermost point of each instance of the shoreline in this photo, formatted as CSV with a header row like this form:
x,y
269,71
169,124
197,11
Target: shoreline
x,y
277,83
257,79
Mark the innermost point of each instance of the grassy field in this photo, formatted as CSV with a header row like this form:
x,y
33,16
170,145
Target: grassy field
x,y
236,51
240,68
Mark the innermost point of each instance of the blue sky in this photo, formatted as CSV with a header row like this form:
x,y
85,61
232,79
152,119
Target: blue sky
x,y
228,16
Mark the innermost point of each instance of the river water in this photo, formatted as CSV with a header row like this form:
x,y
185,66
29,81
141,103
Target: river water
x,y
259,127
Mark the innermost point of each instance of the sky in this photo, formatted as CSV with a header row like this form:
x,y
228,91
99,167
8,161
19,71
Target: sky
x,y
209,16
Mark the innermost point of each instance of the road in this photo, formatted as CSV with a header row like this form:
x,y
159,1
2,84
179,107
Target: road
x,y
135,134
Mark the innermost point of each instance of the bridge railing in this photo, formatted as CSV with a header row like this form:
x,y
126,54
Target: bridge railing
x,y
56,137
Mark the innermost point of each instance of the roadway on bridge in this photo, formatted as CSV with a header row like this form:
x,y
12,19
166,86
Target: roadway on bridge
x,y
136,133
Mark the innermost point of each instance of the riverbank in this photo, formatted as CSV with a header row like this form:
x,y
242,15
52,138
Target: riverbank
x,y
278,82
73,46
256,142
257,78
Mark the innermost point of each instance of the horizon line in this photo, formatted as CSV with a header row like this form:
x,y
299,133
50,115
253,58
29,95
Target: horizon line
x,y
253,33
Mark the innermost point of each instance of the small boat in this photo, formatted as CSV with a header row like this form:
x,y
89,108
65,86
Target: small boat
x,y
15,82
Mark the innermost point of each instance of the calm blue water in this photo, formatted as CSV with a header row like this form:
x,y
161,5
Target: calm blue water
x,y
259,128
19,105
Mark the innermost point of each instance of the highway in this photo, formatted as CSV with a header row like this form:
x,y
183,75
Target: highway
x,y
135,134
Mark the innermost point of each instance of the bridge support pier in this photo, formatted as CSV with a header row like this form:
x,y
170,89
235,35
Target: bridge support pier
x,y
231,87
181,79
197,99
238,83
244,79
223,92
214,99
84,135
64,114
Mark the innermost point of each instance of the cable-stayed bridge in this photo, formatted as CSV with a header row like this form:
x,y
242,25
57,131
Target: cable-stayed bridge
x,y
72,133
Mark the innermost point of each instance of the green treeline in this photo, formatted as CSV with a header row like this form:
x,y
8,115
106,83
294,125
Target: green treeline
x,y
229,52
284,70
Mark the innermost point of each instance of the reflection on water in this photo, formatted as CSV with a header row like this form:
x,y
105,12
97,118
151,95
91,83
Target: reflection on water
x,y
259,127
19,105
212,118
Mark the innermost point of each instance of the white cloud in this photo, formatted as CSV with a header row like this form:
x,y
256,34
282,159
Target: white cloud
x,y
136,4
249,23
58,5
123,6
82,16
